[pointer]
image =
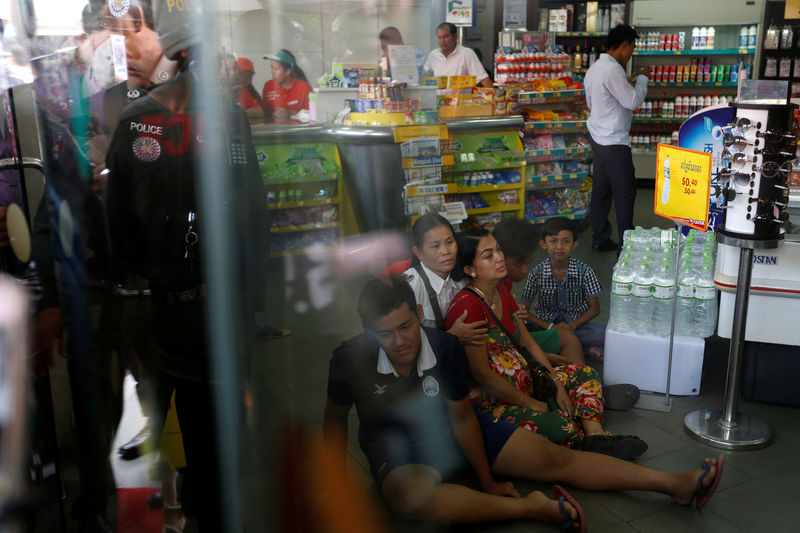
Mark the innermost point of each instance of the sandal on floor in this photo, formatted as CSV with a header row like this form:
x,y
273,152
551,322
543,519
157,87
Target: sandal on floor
x,y
620,397
627,447
705,494
562,495
595,353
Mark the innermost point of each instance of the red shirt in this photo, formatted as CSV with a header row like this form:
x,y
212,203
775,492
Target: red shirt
x,y
398,267
276,97
246,99
476,310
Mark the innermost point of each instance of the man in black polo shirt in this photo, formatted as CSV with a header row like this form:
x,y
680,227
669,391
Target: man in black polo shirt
x,y
409,384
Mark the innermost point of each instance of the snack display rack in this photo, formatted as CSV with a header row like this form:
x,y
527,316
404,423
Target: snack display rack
x,y
304,196
557,181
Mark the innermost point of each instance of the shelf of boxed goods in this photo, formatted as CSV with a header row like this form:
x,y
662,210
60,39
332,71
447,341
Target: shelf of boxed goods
x,y
543,97
563,180
581,34
320,183
717,52
548,155
574,215
556,126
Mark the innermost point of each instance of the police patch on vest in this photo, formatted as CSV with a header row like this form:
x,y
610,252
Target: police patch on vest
x,y
146,149
119,8
430,386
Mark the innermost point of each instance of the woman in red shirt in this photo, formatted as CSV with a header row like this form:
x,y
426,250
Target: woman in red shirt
x,y
503,384
287,92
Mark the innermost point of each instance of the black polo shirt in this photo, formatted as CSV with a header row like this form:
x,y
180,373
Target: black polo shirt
x,y
400,417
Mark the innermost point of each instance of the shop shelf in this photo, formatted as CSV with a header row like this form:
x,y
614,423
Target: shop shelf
x,y
561,125
558,177
558,151
428,161
581,34
658,120
541,97
580,70
427,190
305,227
303,203
718,52
495,208
643,152
693,84
488,188
476,167
575,215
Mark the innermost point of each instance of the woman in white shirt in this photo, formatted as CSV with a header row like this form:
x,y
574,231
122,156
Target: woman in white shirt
x,y
431,277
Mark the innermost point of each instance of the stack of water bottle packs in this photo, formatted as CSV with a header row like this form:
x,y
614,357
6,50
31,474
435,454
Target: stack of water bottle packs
x,y
643,286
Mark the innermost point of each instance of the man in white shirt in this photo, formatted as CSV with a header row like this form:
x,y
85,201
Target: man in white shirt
x,y
612,97
452,59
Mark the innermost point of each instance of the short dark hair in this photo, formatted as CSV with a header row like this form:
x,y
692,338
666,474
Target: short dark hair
x,y
517,238
468,246
381,296
622,33
450,27
555,225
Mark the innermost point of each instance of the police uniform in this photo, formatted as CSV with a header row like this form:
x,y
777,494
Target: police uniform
x,y
152,192
404,419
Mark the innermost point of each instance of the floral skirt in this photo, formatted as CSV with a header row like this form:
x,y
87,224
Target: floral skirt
x,y
580,381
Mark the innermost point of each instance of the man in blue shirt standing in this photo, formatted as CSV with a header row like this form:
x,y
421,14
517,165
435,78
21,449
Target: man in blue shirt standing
x,y
611,97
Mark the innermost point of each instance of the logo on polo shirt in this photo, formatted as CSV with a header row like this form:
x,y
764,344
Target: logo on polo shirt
x,y
430,386
380,389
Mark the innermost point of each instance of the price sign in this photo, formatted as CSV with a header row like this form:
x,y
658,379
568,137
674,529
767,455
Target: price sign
x,y
683,185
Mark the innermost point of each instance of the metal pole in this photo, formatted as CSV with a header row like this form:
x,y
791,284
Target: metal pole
x,y
727,428
737,338
678,233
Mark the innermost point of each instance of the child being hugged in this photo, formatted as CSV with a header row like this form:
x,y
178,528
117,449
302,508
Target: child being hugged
x,y
562,292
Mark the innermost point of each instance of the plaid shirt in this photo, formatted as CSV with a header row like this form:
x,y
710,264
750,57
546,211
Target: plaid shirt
x,y
564,301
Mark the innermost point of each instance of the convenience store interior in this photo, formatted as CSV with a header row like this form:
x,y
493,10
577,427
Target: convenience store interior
x,y
757,493
312,292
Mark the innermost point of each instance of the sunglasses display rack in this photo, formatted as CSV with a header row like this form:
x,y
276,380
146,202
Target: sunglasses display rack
x,y
760,149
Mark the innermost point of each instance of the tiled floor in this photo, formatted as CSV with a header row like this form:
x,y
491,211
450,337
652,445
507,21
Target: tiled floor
x,y
288,383
757,493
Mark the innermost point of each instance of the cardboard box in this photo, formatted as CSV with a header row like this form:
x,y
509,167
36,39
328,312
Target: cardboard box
x,y
456,111
642,360
591,16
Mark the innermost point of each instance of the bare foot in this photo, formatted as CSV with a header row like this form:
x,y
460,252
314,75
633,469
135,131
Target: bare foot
x,y
544,509
689,490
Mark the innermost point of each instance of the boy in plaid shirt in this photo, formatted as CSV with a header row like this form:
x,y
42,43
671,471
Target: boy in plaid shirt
x,y
564,289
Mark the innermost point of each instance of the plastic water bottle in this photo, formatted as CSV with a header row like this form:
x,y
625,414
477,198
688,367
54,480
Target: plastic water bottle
x,y
705,294
663,294
684,312
642,298
621,304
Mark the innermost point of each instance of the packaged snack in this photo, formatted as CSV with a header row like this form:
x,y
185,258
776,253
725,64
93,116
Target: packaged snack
x,y
508,197
558,142
488,221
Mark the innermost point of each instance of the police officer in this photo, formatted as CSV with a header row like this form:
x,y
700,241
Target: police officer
x,y
153,190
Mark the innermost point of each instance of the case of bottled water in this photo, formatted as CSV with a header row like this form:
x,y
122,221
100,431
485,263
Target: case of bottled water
x,y
643,286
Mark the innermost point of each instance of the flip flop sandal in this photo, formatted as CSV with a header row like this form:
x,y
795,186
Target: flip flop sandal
x,y
620,397
705,494
562,495
595,353
626,447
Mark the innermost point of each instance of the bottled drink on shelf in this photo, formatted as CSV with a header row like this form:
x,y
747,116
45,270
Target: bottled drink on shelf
x,y
642,297
705,301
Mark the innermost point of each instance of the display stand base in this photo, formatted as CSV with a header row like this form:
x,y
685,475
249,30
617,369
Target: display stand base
x,y
748,433
653,401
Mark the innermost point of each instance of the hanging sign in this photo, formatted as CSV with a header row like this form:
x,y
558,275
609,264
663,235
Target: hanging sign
x,y
683,180
460,12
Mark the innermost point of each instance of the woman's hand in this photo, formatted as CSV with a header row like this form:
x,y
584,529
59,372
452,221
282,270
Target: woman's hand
x,y
281,114
474,333
529,402
522,311
562,398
